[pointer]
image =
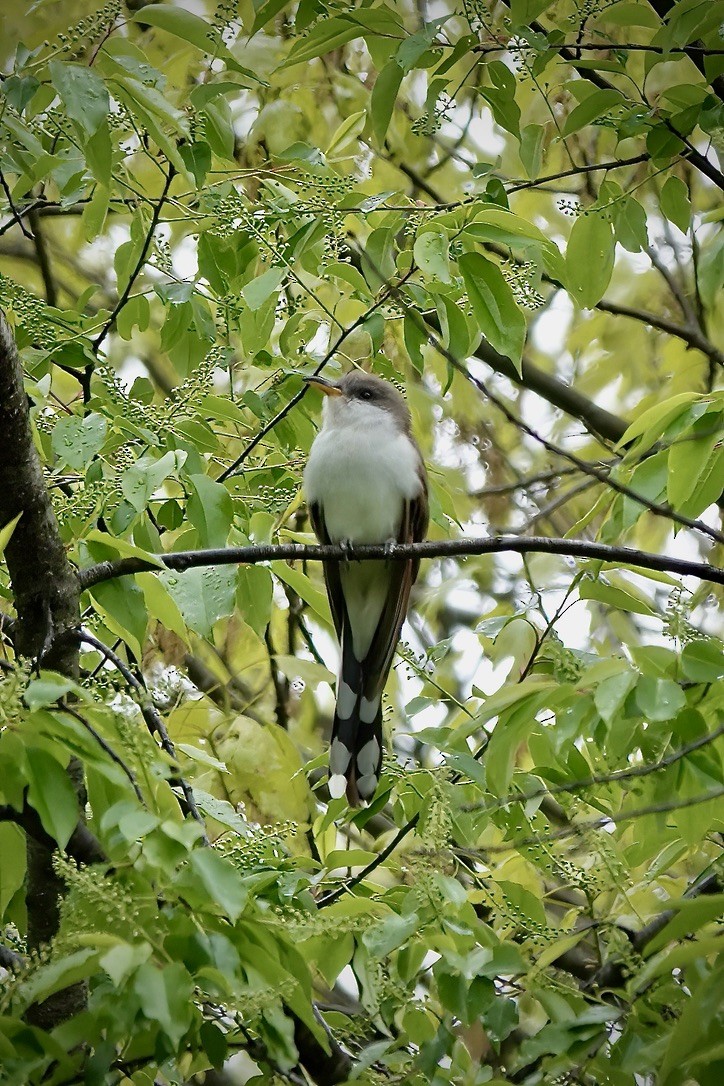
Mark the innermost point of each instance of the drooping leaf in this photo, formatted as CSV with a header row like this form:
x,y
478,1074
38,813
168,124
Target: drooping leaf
x,y
494,306
589,259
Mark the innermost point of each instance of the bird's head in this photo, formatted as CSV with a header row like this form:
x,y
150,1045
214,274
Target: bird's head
x,y
361,398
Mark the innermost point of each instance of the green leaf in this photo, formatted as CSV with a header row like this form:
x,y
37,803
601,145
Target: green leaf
x,y
303,586
327,35
621,596
182,24
202,756
254,596
136,313
651,424
512,729
210,510
266,13
629,14
692,457
49,688
703,661
142,479
494,306
630,224
121,960
99,154
166,997
659,699
84,94
347,132
454,327
381,939
221,881
675,203
610,694
383,98
51,794
501,97
415,339
94,213
153,111
197,157
589,259
590,109
12,864
122,606
6,532
432,255
76,440
531,149
258,290
57,975
203,595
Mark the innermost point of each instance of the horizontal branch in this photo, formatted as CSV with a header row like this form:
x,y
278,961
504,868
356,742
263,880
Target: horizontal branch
x,y
603,822
598,46
446,548
83,845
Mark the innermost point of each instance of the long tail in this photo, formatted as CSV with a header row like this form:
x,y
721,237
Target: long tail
x,y
355,755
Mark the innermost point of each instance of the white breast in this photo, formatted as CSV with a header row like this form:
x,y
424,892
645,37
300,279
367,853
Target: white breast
x,y
361,469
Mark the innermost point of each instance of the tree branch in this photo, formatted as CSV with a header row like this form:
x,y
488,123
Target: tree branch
x,y
449,548
612,973
83,845
154,723
691,335
41,252
158,207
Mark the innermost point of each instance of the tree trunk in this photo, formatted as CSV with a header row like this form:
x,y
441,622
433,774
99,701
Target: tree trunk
x,y
46,594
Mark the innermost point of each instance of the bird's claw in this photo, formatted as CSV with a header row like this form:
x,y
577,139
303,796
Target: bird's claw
x,y
389,548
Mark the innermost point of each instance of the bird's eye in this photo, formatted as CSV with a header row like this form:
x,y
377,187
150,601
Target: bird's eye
x,y
365,394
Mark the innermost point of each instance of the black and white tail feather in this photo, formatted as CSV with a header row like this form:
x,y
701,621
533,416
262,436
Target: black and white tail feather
x,y
355,757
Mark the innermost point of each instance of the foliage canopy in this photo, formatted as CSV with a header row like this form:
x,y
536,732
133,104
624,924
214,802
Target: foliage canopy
x,y
512,210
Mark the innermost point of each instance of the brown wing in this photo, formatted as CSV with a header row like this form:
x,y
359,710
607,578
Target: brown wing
x,y
330,570
378,661
419,517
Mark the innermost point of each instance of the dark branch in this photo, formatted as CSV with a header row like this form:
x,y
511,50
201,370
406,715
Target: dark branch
x,y
83,845
450,548
612,973
154,723
691,335
158,207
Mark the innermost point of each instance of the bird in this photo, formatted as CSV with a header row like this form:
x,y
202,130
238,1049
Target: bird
x,y
365,482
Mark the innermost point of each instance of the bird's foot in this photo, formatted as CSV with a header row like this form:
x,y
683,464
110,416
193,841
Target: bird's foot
x,y
390,547
345,546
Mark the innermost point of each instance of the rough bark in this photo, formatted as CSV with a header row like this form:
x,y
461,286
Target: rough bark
x,y
46,595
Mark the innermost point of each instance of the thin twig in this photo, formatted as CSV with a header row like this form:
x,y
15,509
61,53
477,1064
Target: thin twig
x,y
633,772
139,263
284,411
577,829
106,747
154,722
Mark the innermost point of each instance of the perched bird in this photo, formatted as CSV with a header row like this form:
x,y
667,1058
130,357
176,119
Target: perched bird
x,y
365,482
